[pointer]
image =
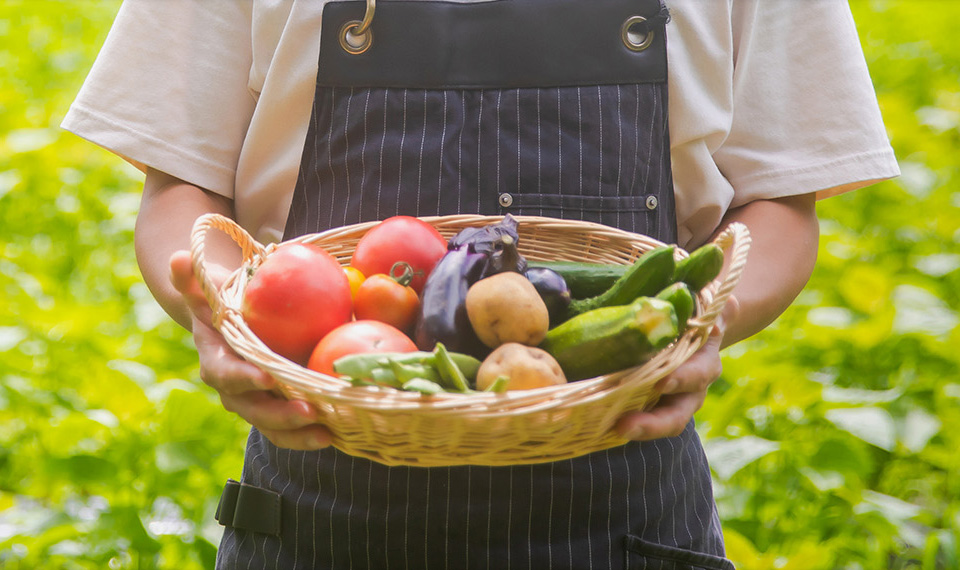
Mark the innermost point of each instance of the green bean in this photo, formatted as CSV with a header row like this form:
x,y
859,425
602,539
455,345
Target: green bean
x,y
423,386
450,373
406,372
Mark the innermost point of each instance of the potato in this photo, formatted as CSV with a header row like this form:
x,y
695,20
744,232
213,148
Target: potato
x,y
507,308
526,367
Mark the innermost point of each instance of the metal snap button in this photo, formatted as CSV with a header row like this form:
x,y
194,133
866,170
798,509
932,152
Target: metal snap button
x,y
652,202
506,200
635,35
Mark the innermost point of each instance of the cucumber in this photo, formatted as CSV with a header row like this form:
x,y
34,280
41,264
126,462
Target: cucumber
x,y
608,339
700,268
584,280
646,277
681,298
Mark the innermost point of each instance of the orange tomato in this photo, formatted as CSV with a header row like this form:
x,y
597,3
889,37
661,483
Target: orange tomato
x,y
355,277
385,299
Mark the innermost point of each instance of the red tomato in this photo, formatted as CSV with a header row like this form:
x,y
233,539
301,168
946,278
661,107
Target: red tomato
x,y
298,295
400,238
387,299
354,338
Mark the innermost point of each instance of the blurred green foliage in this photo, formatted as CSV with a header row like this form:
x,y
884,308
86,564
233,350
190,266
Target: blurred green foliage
x,y
112,453
832,435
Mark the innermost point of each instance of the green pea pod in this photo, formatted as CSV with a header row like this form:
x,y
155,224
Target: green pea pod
x,y
407,372
499,385
361,365
385,377
423,386
450,373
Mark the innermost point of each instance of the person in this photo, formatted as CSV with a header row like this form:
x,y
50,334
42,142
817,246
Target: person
x,y
291,119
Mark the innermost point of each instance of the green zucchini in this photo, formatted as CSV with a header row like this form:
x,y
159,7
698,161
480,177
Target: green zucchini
x,y
700,268
584,280
608,339
648,275
679,295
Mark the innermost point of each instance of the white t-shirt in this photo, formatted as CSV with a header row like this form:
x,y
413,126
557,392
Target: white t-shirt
x,y
768,98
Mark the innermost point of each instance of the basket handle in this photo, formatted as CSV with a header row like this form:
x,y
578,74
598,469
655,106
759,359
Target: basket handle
x,y
198,236
736,239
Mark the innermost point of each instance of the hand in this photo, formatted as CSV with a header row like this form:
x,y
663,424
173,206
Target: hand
x,y
684,390
244,389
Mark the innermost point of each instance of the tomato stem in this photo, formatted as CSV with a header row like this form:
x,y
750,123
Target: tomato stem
x,y
407,274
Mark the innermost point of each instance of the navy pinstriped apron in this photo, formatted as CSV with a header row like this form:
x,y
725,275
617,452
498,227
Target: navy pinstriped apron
x,y
521,106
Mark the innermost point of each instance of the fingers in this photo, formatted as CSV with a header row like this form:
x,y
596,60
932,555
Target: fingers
x,y
683,392
290,424
184,281
245,390
699,371
222,369
269,412
667,419
305,439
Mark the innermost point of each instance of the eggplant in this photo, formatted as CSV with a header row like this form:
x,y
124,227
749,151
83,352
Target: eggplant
x,y
554,291
505,257
443,312
498,241
484,238
472,254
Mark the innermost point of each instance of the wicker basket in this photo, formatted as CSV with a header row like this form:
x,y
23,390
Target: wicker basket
x,y
395,427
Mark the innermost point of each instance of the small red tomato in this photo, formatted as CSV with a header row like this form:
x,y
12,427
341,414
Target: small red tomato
x,y
355,338
296,296
388,298
400,238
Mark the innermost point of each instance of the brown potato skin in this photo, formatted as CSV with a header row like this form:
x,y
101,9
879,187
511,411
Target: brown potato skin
x,y
527,367
506,308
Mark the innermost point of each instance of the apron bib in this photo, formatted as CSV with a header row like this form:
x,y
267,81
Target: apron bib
x,y
536,107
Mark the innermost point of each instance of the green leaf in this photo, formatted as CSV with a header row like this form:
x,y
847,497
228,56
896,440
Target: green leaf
x,y
919,311
841,457
82,468
728,456
918,427
873,425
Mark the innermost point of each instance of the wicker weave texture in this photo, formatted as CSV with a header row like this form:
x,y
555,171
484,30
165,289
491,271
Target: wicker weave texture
x,y
519,427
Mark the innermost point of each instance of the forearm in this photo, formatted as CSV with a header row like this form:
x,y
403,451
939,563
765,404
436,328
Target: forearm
x,y
168,210
785,234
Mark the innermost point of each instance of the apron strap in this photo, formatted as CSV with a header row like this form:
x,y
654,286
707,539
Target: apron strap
x,y
249,508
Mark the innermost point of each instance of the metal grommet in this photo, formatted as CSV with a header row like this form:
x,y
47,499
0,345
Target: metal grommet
x,y
652,202
506,200
352,41
634,39
356,36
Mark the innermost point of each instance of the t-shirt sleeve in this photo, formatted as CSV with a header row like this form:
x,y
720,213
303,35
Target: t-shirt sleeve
x,y
169,89
805,113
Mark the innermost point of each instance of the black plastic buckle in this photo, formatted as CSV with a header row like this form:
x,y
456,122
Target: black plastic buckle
x,y
249,508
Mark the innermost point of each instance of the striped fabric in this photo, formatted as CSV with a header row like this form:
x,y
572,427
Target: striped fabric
x,y
592,153
345,512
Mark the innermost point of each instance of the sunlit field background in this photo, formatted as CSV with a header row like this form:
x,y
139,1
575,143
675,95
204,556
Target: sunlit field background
x,y
833,435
